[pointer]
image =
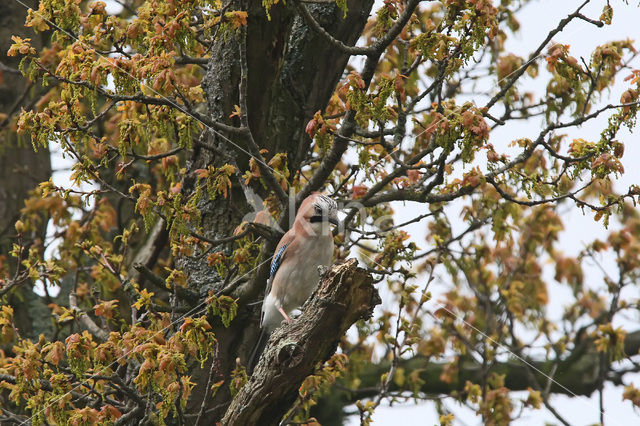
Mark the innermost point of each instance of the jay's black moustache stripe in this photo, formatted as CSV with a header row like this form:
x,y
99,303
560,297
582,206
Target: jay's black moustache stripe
x,y
317,219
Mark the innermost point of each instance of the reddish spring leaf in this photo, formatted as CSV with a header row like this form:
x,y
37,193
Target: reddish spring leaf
x,y
472,178
311,127
628,97
106,308
254,168
608,161
215,258
571,61
390,7
314,124
55,352
202,173
475,123
169,161
414,176
20,46
238,18
618,149
634,77
82,290
598,215
358,191
109,411
175,189
237,112
98,149
556,52
355,80
95,76
216,386
492,156
55,309
631,394
398,85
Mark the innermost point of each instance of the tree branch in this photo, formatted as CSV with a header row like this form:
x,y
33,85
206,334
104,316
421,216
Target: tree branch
x,y
86,319
310,20
344,295
578,375
266,171
377,47
149,100
532,58
348,127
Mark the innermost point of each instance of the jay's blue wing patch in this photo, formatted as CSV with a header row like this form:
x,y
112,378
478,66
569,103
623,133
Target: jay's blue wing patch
x,y
275,265
277,260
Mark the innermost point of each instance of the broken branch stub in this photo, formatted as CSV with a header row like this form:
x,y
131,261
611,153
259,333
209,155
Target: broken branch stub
x,y
344,295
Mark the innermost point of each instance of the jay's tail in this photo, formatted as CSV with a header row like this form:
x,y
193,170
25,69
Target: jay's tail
x,y
257,351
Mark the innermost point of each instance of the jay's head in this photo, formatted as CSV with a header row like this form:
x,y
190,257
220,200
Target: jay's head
x,y
318,210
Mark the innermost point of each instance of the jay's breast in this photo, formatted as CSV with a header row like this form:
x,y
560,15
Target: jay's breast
x,y
303,276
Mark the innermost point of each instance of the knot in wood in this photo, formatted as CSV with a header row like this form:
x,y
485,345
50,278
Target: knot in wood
x,y
290,355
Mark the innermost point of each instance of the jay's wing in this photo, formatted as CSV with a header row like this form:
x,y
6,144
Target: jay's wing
x,y
277,260
275,265
278,257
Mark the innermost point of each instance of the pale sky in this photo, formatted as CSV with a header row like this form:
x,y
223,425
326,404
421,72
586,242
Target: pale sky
x,y
536,20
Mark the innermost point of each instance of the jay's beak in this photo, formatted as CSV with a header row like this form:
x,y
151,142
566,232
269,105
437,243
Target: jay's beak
x,y
334,221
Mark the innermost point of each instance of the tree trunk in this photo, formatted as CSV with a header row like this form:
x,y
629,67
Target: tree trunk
x,y
292,73
21,169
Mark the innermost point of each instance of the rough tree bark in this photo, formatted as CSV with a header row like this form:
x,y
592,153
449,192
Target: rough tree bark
x,y
344,295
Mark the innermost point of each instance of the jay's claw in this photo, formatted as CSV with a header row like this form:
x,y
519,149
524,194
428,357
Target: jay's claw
x,y
284,314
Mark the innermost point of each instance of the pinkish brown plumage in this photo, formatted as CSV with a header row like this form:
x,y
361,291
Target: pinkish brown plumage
x,y
294,270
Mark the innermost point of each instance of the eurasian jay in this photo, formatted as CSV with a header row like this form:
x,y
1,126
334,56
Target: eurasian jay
x,y
294,268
